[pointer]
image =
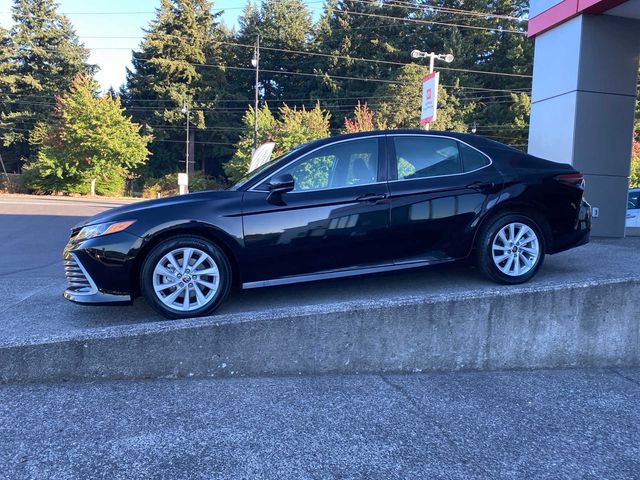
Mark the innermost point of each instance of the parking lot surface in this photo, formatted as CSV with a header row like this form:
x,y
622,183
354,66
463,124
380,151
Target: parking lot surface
x,y
544,424
34,231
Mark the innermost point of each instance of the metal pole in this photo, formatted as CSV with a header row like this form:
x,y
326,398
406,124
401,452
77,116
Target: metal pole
x,y
5,174
432,59
257,99
187,152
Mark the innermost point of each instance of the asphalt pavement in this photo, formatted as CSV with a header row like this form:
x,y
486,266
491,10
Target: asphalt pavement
x,y
545,424
516,424
34,230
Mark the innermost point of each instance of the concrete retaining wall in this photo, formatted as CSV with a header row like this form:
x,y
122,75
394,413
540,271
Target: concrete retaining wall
x,y
583,325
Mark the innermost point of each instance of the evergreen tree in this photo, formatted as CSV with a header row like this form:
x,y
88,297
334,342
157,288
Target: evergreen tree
x,y
168,73
282,25
42,55
499,50
89,140
350,30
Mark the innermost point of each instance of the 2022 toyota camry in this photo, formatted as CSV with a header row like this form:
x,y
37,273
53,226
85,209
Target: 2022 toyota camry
x,y
346,205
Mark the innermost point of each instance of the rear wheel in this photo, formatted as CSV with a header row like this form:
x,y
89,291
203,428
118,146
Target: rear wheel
x,y
185,277
511,249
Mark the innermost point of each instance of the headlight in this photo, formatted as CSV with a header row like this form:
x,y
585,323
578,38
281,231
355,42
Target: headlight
x,y
100,229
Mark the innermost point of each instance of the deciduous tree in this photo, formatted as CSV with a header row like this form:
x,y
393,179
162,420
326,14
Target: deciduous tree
x,y
294,127
89,140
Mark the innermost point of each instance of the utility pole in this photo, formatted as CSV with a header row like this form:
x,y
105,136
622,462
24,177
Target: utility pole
x,y
432,60
255,61
4,169
184,186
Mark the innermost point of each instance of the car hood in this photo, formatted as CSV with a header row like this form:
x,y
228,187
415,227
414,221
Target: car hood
x,y
129,212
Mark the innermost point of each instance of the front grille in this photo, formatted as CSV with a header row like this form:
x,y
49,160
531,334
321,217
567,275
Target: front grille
x,y
77,281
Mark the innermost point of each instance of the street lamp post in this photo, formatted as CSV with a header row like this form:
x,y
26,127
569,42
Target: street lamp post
x,y
448,58
255,61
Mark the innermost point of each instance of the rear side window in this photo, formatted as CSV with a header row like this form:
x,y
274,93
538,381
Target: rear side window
x,y
472,159
424,157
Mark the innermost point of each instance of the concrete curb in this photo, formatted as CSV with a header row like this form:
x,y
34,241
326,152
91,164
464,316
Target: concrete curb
x,y
593,324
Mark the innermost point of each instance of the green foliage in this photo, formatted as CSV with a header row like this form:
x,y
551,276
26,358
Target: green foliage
x,y
89,139
39,58
281,24
188,56
295,126
237,167
167,74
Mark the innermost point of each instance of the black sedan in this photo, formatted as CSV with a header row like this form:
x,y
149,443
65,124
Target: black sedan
x,y
342,206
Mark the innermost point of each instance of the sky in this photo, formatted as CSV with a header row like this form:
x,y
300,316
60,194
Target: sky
x,y
113,55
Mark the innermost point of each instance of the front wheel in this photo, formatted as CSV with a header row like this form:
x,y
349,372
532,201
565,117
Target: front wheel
x,y
511,249
185,277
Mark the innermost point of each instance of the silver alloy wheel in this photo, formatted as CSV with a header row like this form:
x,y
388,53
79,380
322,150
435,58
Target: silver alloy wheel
x,y
186,279
515,249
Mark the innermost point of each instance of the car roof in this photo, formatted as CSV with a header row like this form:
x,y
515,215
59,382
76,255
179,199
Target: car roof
x,y
476,141
412,131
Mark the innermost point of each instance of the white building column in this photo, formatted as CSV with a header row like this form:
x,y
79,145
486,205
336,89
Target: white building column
x,y
582,109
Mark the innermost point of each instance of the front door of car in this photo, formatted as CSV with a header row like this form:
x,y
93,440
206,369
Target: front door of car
x,y
336,216
437,190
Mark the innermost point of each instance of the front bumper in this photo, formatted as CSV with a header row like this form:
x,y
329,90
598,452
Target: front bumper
x,y
81,288
99,270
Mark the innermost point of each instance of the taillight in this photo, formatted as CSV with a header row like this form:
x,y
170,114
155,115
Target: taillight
x,y
571,179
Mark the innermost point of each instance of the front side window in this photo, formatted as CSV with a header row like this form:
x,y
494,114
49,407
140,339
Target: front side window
x,y
424,157
344,164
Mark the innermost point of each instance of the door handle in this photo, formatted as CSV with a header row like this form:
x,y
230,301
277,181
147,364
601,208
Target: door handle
x,y
371,197
478,185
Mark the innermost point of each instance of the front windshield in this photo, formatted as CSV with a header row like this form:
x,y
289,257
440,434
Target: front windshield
x,y
252,174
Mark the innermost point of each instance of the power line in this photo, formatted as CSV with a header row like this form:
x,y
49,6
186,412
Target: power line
x,y
427,22
480,96
349,12
317,54
453,11
341,77
361,59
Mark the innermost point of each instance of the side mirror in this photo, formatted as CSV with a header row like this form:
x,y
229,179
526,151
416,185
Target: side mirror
x,y
278,185
282,183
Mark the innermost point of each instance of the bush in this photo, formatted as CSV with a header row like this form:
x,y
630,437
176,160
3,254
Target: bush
x,y
168,185
36,182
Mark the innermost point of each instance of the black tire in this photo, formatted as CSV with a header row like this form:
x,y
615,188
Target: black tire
x,y
175,243
485,245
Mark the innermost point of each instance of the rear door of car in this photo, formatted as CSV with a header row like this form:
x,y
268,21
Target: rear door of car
x,y
438,187
337,216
